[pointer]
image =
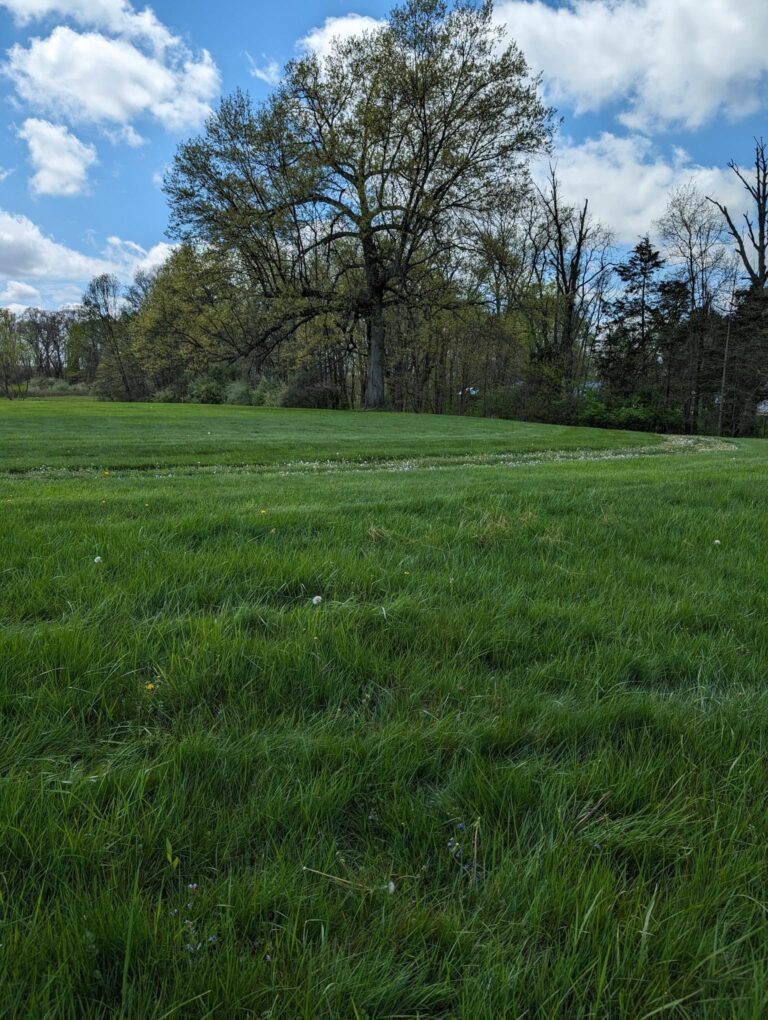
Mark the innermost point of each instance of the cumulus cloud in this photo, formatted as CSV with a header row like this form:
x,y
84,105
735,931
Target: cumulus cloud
x,y
20,294
61,160
85,77
628,181
25,251
320,40
115,16
27,254
666,62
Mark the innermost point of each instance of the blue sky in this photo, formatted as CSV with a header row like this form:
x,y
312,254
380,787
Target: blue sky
x,y
96,94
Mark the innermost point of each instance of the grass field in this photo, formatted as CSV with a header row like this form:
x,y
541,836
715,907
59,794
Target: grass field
x,y
512,765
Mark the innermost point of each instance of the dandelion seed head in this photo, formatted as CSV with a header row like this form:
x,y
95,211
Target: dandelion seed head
x,y
317,600
97,559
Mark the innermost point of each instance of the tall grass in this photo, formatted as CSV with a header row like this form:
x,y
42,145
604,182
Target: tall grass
x,y
511,764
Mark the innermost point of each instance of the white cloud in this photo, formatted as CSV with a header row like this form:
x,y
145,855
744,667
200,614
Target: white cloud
x,y
665,62
320,40
127,257
89,78
628,182
61,160
26,252
115,16
20,294
5,173
268,72
126,134
60,272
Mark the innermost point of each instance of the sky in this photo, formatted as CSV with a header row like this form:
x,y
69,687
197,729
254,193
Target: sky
x,y
95,96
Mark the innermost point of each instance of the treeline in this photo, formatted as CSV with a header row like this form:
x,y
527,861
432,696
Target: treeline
x,y
371,236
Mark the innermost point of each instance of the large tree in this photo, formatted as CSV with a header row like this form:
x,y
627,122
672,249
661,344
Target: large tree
x,y
358,174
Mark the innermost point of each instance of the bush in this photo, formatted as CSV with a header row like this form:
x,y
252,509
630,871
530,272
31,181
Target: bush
x,y
269,392
43,386
638,416
205,390
308,389
239,393
167,395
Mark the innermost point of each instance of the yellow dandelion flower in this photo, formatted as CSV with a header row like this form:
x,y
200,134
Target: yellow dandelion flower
x,y
149,687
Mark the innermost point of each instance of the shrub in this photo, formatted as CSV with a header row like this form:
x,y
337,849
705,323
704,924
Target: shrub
x,y
639,416
269,392
239,393
205,390
166,395
307,389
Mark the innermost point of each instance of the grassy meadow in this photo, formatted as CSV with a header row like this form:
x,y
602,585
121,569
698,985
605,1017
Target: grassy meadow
x,y
322,715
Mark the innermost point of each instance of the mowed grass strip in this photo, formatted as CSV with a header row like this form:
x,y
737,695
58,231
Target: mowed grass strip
x,y
512,764
83,433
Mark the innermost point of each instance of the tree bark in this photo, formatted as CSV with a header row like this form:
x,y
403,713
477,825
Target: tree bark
x,y
374,389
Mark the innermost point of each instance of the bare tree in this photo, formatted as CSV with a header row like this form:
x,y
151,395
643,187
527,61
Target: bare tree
x,y
104,312
693,236
578,255
752,245
46,332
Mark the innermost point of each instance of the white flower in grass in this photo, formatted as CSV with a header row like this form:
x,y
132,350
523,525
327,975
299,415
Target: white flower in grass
x,y
717,541
317,600
97,559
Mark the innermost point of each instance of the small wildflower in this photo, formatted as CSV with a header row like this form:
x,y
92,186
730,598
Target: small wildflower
x,y
406,573
97,559
263,512
717,541
192,886
317,600
150,687
391,888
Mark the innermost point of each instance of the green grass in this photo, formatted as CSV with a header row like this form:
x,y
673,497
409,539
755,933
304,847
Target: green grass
x,y
551,663
87,434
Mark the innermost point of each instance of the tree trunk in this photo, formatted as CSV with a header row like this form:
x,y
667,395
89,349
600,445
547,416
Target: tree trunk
x,y
374,390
